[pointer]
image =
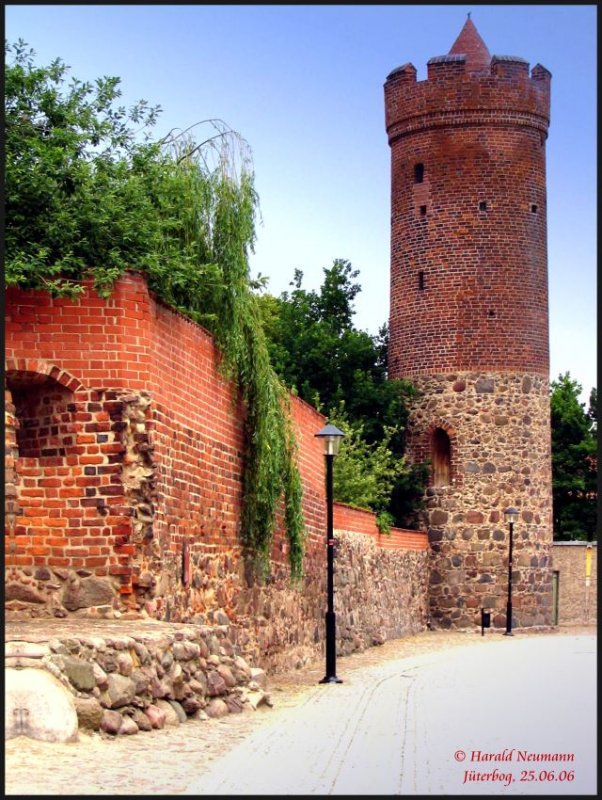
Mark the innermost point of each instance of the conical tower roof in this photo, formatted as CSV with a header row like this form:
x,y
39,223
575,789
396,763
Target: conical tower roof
x,y
470,44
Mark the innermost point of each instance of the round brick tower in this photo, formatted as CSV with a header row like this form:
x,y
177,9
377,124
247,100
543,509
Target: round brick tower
x,y
469,321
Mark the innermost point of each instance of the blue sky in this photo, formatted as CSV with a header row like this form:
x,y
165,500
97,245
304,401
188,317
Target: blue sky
x,y
304,86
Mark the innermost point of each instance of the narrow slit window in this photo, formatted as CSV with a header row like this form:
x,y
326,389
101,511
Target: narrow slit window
x,y
483,205
441,458
421,280
423,211
534,208
418,173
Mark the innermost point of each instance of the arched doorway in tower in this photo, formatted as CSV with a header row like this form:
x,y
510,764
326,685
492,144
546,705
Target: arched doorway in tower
x,y
441,457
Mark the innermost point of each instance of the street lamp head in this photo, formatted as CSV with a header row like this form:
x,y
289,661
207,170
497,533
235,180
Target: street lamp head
x,y
511,514
331,437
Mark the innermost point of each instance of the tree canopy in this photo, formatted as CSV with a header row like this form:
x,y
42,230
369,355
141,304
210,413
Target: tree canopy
x,y
574,460
341,370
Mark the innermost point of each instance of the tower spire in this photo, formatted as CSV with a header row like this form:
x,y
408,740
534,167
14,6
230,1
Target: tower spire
x,y
470,44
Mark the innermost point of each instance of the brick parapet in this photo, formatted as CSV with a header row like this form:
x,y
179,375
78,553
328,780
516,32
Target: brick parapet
x,y
347,518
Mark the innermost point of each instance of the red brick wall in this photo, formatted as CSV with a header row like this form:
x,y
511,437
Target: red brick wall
x,y
468,286
347,518
127,484
129,468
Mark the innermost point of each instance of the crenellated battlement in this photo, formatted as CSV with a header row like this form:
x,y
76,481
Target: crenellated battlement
x,y
454,93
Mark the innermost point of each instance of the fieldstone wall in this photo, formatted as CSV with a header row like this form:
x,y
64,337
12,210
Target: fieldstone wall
x,y
499,430
125,681
129,675
577,566
380,593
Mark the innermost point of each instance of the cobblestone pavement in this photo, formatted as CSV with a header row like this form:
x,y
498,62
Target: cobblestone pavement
x,y
194,757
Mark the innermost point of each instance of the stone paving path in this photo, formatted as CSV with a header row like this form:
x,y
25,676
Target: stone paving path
x,y
187,759
413,726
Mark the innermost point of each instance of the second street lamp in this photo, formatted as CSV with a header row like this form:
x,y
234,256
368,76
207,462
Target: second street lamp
x,y
331,437
511,515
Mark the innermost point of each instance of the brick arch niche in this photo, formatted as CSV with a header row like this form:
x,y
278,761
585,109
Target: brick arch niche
x,y
59,486
441,460
45,426
439,448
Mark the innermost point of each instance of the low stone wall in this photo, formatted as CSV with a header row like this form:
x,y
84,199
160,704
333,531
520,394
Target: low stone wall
x,y
128,675
577,591
125,680
380,592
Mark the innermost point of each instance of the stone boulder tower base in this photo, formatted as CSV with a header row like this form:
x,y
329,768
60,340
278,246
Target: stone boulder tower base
x,y
469,321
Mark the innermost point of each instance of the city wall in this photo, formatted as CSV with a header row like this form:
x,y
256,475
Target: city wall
x,y
123,456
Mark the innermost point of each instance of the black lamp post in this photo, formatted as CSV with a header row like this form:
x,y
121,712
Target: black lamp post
x,y
511,515
331,437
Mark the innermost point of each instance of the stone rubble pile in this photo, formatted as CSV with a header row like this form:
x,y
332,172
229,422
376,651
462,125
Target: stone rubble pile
x,y
122,684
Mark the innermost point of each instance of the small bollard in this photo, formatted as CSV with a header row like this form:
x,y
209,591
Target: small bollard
x,y
485,620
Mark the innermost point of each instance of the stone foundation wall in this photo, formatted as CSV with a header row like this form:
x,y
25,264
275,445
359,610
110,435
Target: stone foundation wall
x,y
498,426
577,591
124,676
124,681
380,593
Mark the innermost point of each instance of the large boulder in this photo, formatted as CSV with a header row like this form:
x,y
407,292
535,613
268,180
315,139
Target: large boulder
x,y
37,705
87,593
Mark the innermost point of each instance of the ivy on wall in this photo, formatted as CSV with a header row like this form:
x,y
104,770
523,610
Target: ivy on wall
x,y
90,194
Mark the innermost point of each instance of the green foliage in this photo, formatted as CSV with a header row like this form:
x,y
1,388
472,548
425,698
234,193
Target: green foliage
x,y
90,195
269,457
75,188
365,474
319,353
574,461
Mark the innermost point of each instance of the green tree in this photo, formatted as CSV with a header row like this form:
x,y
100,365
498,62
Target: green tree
x,y
365,474
319,353
90,195
592,411
574,461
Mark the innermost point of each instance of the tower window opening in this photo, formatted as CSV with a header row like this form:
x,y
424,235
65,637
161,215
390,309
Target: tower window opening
x,y
421,280
534,208
441,458
423,211
483,205
418,173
